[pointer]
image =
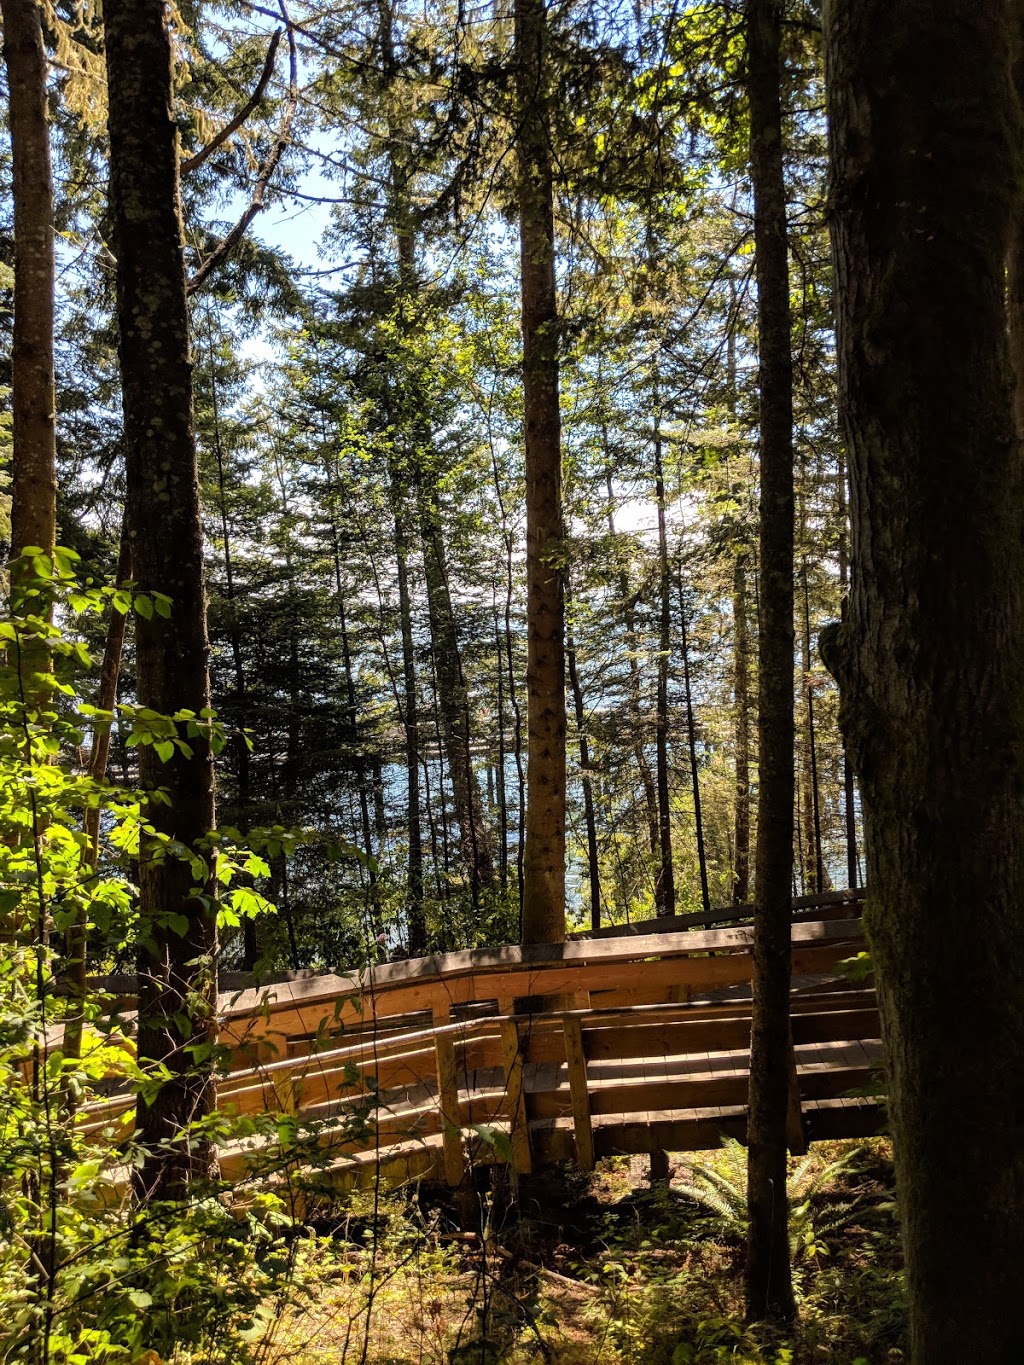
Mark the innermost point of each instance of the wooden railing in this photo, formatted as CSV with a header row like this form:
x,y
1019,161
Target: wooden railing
x,y
429,1065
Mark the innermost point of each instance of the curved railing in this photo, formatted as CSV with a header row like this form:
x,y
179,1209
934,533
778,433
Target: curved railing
x,y
635,1043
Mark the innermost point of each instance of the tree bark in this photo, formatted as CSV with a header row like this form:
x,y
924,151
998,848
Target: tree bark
x,y
768,1280
849,798
665,882
105,700
586,779
741,701
34,483
453,699
635,706
691,741
414,914
544,856
931,655
178,937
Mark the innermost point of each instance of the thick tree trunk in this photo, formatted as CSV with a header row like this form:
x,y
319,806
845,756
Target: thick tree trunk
x,y
543,904
34,483
769,1283
178,939
544,859
931,655
741,702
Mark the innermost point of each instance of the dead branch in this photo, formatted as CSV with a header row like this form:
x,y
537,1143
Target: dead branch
x,y
192,163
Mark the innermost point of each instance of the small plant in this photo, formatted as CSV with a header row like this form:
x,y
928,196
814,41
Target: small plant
x,y
723,1193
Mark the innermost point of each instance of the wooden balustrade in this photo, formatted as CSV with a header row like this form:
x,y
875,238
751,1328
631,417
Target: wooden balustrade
x,y
630,1073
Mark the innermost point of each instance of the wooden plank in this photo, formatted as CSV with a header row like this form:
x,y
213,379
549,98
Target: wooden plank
x,y
520,1132
399,987
796,1138
577,1062
448,1102
831,902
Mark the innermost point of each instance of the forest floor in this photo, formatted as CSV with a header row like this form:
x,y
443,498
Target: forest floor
x,y
613,1268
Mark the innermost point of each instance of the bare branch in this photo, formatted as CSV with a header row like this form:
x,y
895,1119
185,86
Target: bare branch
x,y
192,163
227,244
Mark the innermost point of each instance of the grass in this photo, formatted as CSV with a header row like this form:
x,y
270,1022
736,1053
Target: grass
x,y
602,1271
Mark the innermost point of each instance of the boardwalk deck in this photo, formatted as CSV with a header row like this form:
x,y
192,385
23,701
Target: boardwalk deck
x,y
412,1070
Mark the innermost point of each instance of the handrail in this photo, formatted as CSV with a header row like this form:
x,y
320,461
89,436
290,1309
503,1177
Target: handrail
x,y
443,1057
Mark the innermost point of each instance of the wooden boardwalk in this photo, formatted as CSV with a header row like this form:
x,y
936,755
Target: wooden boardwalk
x,y
423,1068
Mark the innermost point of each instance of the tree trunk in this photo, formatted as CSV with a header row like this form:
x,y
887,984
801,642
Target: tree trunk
x,y
453,701
665,883
741,701
691,740
240,741
544,856
931,655
178,937
414,915
820,880
105,700
34,483
635,707
769,1282
586,780
849,802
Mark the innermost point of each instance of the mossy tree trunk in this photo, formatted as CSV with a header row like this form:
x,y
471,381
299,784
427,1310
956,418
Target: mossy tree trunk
x,y
931,655
178,932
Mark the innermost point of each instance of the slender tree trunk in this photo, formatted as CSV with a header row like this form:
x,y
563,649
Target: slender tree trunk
x,y
805,792
590,819
453,701
240,744
769,1283
544,859
415,919
741,701
931,655
506,660
106,700
178,952
691,737
816,862
502,793
635,708
352,704
34,483
849,795
665,883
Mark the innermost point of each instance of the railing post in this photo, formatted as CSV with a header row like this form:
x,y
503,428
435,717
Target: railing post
x,y
796,1137
520,1132
576,1059
448,1097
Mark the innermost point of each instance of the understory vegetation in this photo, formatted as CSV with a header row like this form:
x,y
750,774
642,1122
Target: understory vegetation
x,y
567,1269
